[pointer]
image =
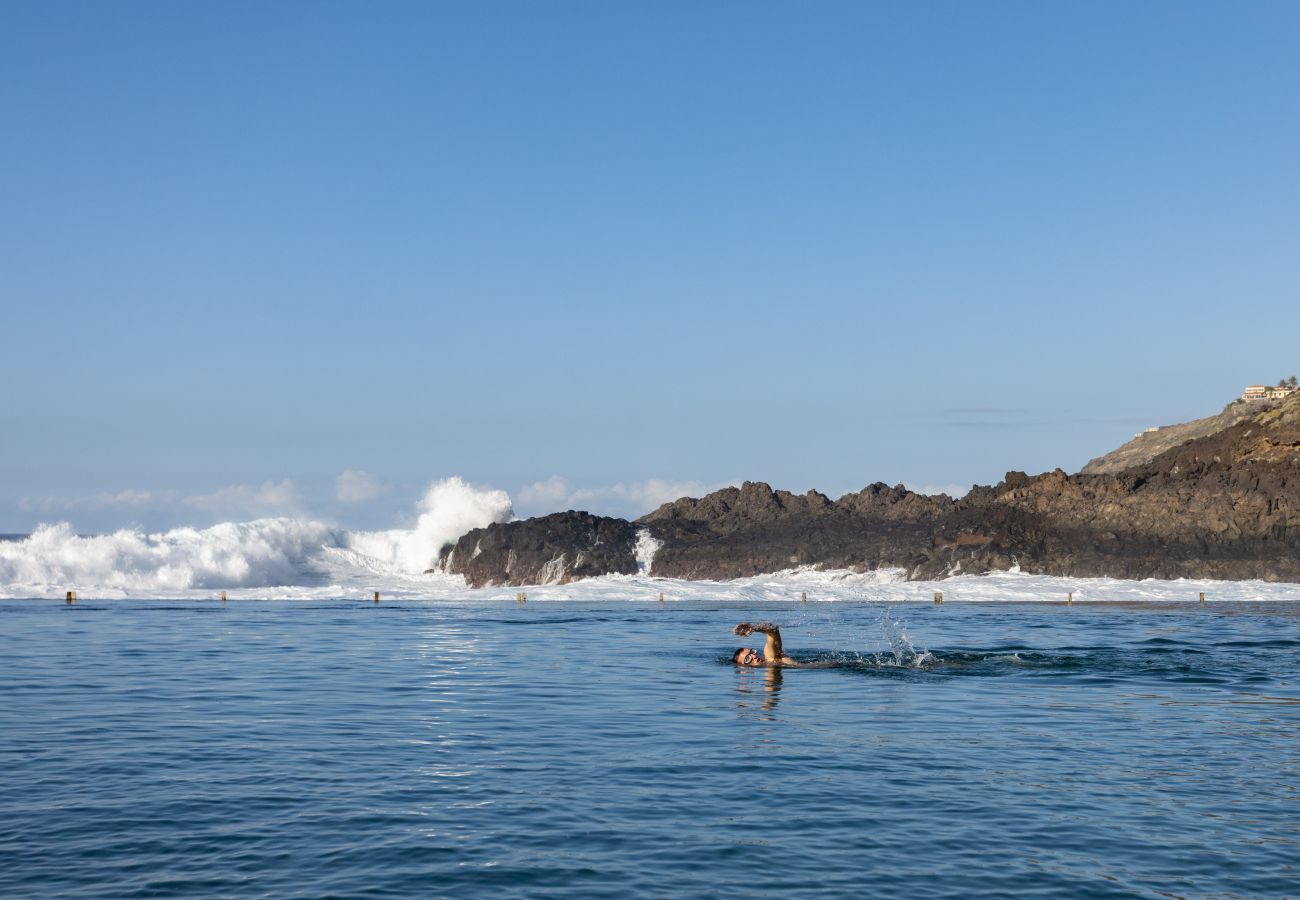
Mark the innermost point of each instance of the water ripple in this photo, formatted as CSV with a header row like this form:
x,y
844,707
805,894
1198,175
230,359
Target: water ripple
x,y
332,749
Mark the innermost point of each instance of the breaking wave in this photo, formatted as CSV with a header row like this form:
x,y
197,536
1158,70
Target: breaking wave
x,y
236,554
449,509
264,553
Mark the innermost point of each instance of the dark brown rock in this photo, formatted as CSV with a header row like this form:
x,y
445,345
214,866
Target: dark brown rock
x,y
554,549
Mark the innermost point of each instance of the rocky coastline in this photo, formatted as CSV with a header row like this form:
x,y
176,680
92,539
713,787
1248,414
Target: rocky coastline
x,y
1222,504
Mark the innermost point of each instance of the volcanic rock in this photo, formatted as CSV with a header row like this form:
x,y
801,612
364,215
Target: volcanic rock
x,y
554,549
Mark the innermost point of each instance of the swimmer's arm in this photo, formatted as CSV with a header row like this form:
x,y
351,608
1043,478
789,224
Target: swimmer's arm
x,y
772,652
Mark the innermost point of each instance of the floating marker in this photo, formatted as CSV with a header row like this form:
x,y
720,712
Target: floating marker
x,y
938,596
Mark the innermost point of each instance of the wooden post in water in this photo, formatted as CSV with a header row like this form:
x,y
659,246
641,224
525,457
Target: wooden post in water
x,y
938,596
805,597
376,598
661,596
1202,596
1069,598
223,596
72,597
524,595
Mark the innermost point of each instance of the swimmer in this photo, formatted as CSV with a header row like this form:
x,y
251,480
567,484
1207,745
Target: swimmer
x,y
772,653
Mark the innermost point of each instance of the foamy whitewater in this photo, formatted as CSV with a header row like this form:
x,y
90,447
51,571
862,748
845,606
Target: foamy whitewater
x,y
288,558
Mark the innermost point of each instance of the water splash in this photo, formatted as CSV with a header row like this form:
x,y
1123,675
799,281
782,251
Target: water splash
x,y
902,652
646,548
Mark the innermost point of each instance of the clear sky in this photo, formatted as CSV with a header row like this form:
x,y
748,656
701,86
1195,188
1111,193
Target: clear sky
x,y
594,252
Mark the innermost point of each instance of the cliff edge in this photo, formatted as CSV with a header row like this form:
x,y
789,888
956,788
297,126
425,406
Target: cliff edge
x,y
1149,444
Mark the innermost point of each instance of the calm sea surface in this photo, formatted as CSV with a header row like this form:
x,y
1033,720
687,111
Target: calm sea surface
x,y
308,749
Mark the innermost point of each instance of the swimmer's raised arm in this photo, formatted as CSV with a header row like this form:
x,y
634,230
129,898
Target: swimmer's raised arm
x,y
772,652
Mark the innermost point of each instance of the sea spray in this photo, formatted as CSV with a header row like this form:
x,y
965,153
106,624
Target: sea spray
x,y
231,554
899,650
880,641
645,549
449,509
264,553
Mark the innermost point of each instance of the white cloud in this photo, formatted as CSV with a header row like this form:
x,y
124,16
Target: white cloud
x,y
236,501
129,498
267,499
354,486
956,491
629,499
551,492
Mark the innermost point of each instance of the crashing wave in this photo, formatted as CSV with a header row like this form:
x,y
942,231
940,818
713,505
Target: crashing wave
x,y
231,554
645,549
275,552
449,509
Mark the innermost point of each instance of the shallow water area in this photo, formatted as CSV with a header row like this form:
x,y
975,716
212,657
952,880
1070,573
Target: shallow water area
x,y
481,746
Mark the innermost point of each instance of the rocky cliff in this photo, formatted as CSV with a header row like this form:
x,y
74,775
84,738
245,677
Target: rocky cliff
x,y
1149,444
1223,503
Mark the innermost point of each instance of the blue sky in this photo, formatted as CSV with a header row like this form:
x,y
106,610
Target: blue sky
x,y
596,253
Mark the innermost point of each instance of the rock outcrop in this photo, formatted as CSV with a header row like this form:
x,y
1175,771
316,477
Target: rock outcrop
x,y
753,529
1224,503
554,549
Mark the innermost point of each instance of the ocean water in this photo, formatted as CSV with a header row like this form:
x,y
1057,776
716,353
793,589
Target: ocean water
x,y
471,745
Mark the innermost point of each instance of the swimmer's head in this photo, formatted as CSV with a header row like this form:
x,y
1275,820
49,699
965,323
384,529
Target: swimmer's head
x,y
746,656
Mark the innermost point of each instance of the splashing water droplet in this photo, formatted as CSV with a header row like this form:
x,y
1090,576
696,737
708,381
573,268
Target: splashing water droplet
x,y
902,653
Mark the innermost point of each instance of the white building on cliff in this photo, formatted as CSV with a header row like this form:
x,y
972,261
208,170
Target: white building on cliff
x,y
1264,392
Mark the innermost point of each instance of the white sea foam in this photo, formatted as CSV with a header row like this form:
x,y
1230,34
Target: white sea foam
x,y
449,509
269,557
645,549
232,554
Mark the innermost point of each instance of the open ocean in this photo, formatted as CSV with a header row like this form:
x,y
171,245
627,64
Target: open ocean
x,y
476,746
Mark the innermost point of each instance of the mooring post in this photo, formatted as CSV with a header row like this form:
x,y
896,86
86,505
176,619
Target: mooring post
x,y
1069,598
1202,596
72,597
376,598
938,596
223,596
661,596
805,596
524,596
